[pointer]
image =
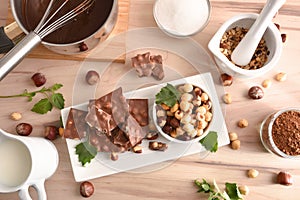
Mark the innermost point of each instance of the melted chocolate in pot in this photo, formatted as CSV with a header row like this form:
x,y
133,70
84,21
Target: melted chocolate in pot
x,y
81,27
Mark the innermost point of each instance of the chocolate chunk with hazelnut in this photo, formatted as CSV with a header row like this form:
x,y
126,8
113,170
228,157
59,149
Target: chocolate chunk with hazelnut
x,y
256,92
158,146
152,135
24,129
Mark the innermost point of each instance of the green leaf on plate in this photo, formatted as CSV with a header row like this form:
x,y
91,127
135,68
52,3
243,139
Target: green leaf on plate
x,y
86,152
210,141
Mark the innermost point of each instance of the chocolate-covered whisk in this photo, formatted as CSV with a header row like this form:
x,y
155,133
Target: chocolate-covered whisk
x,y
46,26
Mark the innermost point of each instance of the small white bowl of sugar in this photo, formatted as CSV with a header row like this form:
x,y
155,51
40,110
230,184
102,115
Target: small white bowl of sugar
x,y
181,18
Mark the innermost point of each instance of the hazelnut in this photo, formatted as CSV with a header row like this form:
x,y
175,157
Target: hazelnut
x,y
83,47
137,149
281,76
284,178
92,77
38,79
152,135
244,190
114,156
256,92
233,136
167,129
236,144
23,129
86,189
243,123
16,116
227,98
266,83
252,173
283,37
51,132
226,79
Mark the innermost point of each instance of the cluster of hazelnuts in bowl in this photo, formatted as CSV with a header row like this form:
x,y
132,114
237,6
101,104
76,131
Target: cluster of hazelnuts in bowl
x,y
188,120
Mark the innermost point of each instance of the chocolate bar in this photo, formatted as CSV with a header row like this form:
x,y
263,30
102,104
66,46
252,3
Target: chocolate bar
x,y
75,127
138,108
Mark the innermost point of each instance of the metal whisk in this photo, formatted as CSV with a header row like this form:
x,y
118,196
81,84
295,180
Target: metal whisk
x,y
44,28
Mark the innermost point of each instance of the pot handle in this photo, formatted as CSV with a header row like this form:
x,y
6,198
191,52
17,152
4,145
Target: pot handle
x,y
15,55
6,43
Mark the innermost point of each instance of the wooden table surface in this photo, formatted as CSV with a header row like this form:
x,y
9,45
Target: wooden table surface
x,y
176,180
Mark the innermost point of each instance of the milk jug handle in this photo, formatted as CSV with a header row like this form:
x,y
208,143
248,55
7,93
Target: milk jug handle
x,y
40,188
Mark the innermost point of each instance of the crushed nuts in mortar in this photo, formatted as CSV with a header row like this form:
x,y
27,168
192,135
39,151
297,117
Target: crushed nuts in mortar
x,y
231,39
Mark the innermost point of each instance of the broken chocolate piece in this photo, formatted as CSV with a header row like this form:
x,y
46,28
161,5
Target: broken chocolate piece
x,y
138,108
99,119
75,127
146,65
158,146
118,137
134,131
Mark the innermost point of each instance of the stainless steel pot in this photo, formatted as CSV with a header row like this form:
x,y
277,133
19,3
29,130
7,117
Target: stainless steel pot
x,y
89,30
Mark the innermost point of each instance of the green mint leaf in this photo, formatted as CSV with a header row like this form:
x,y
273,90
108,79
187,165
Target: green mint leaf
x,y
86,152
210,141
55,87
203,186
58,100
42,107
233,191
168,95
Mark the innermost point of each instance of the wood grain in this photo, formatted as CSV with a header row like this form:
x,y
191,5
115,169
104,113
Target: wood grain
x,y
175,181
121,26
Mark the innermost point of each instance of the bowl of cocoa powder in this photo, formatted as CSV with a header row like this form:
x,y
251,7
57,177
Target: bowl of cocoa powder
x,y
280,133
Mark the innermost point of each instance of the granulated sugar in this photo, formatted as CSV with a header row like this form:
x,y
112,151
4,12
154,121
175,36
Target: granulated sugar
x,y
181,17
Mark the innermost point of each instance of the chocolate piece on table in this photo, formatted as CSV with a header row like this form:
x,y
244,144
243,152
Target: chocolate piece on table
x,y
75,127
158,146
138,108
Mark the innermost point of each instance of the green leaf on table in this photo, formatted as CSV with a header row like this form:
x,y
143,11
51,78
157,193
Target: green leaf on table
x,y
168,95
58,101
233,191
203,186
55,87
42,107
86,152
210,141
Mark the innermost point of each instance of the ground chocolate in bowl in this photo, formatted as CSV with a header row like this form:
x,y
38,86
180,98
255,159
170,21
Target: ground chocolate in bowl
x,y
83,26
286,132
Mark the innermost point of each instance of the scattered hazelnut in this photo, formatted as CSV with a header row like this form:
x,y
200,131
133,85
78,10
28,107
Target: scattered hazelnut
x,y
83,47
252,173
16,116
281,76
284,178
51,132
23,129
244,190
243,123
38,79
92,77
236,144
283,37
256,92
233,136
226,79
227,98
86,189
266,83
137,149
114,156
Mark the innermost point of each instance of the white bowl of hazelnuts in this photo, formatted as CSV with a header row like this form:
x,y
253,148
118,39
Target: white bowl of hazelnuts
x,y
183,113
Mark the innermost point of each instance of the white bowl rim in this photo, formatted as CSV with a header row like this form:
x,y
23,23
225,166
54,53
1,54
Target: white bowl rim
x,y
218,54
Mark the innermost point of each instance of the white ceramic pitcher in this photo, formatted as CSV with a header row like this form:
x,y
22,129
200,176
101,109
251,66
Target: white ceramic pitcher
x,y
26,161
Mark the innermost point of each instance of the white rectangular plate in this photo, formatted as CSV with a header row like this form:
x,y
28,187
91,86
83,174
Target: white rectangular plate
x,y
102,165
